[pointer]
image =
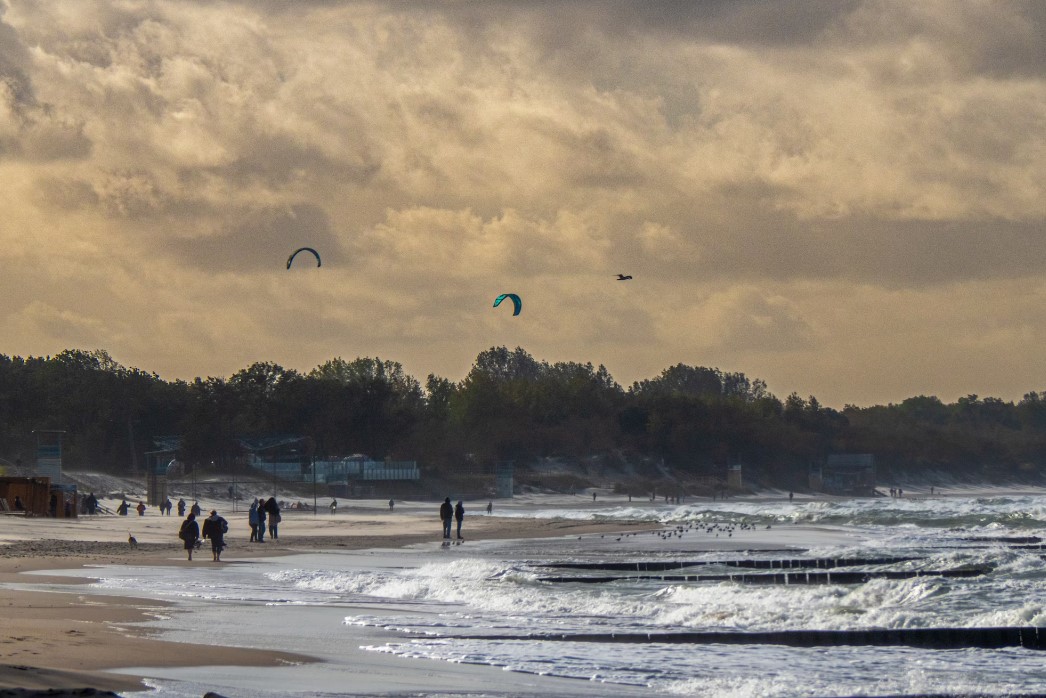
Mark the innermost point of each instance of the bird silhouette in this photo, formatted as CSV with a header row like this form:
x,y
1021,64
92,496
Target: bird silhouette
x,y
623,277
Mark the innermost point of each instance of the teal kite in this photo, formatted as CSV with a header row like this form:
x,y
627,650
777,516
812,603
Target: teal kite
x,y
304,249
515,301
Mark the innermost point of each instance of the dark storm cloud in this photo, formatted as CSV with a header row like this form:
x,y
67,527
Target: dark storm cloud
x,y
773,174
36,132
262,240
995,39
891,254
275,160
14,63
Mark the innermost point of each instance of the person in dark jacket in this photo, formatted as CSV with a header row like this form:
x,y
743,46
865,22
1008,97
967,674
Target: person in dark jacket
x,y
252,519
272,508
459,514
189,533
446,514
215,528
181,507
262,516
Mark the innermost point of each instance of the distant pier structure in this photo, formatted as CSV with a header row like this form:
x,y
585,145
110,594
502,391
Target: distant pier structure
x,y
850,474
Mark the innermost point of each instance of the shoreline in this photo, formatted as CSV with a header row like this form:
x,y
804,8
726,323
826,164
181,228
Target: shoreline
x,y
66,640
62,639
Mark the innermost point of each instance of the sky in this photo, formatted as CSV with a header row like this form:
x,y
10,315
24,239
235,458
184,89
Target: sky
x,y
844,199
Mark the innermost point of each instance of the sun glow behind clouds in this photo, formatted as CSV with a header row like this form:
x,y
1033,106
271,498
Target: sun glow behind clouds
x,y
821,196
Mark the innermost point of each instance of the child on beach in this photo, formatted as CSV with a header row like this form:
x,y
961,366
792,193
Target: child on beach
x,y
252,519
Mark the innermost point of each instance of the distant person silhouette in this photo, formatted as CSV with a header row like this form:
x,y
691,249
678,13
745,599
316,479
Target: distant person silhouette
x,y
459,514
189,533
446,515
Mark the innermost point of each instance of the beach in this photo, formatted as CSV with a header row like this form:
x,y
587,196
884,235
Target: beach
x,y
368,601
69,640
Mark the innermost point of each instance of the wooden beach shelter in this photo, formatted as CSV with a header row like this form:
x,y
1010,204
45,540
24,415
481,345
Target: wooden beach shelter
x,y
35,493
67,504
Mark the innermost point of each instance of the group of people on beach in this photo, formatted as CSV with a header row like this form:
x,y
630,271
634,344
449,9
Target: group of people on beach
x,y
262,512
264,515
214,528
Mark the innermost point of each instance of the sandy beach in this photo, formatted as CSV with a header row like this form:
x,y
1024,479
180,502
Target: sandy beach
x,y
64,639
69,640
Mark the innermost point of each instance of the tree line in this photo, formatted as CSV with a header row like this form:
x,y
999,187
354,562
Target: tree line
x,y
510,407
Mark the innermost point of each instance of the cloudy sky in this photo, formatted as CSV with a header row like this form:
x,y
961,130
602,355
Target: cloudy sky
x,y
843,198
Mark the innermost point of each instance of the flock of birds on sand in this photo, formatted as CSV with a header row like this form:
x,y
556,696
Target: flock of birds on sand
x,y
679,530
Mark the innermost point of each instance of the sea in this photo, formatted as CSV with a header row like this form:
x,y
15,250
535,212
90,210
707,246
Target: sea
x,y
587,614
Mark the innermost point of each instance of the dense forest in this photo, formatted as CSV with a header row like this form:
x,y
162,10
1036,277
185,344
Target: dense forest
x,y
510,407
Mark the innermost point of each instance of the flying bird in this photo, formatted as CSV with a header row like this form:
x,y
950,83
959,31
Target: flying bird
x,y
623,277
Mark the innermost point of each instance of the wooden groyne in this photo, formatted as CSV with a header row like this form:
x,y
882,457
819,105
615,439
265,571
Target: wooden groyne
x,y
1005,539
782,578
930,638
823,563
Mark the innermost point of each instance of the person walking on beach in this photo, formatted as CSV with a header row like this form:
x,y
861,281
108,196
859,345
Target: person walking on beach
x,y
391,504
446,515
252,519
122,509
334,506
141,508
215,528
195,509
189,533
181,507
490,508
165,508
459,514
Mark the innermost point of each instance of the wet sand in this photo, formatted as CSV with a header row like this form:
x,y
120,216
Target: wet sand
x,y
68,640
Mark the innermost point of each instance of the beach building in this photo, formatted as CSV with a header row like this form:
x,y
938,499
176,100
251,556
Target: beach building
x,y
35,494
343,477
851,474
